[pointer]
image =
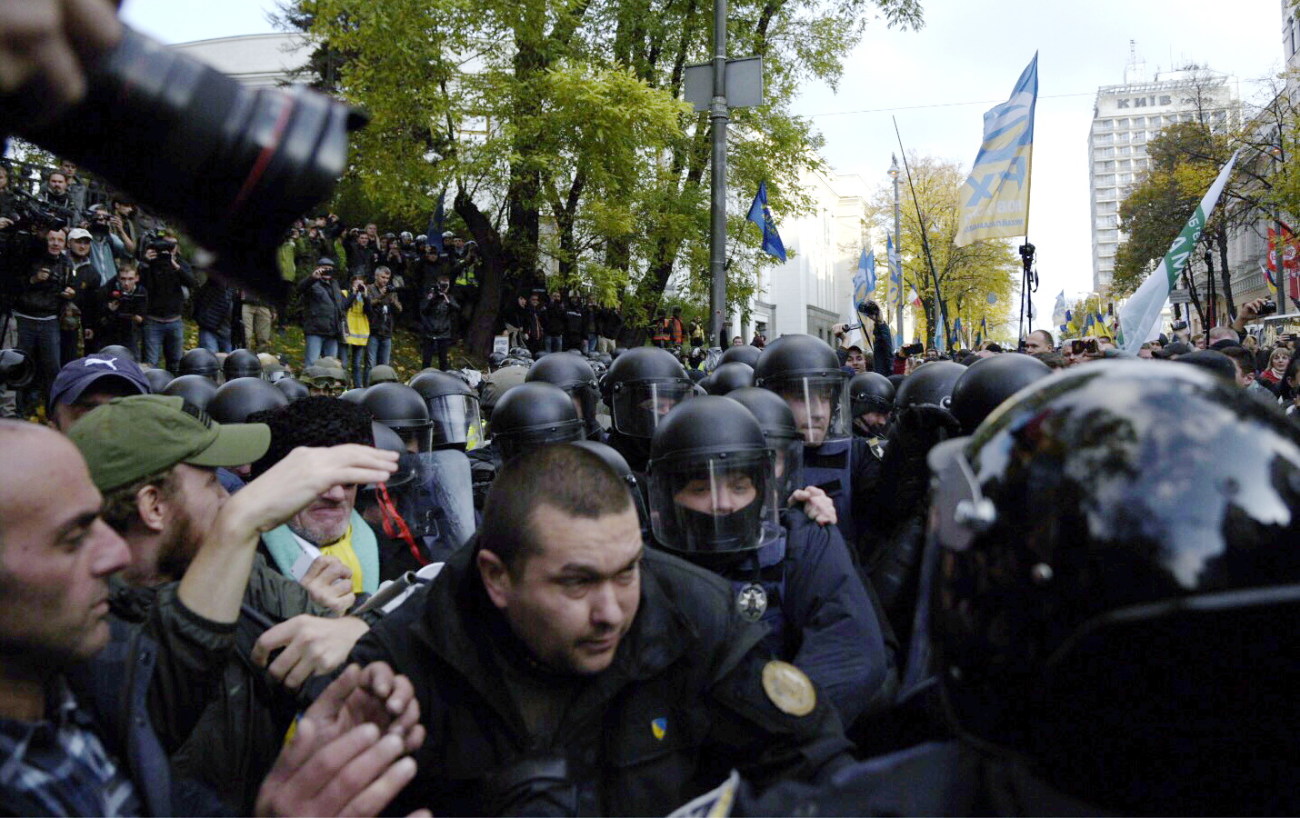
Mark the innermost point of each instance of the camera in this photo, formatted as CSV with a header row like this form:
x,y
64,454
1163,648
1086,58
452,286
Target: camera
x,y
1084,346
443,286
235,165
1267,308
913,349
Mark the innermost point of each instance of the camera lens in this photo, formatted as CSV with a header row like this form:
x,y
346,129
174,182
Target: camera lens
x,y
235,165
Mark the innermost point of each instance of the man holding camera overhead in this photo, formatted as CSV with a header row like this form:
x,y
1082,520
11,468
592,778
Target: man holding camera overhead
x,y
322,311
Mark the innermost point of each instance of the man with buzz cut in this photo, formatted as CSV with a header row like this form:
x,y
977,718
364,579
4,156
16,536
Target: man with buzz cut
x,y
221,715
81,692
563,669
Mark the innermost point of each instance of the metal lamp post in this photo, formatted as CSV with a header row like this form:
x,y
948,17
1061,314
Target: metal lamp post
x,y
897,260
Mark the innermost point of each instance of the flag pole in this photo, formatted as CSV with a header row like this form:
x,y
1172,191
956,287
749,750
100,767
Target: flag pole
x,y
925,240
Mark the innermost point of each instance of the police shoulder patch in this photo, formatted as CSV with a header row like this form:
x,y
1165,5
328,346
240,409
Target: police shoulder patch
x,y
789,688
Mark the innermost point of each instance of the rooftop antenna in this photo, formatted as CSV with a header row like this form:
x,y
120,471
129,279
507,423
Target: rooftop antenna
x,y
1135,71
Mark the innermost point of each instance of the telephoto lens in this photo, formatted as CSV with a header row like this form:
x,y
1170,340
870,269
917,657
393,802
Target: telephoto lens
x,y
234,165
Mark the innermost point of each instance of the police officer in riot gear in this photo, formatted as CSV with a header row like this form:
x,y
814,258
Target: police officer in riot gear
x,y
196,389
292,388
575,376
235,400
642,385
871,401
1116,581
534,414
714,500
806,373
453,409
728,377
744,353
440,509
988,382
241,363
200,361
157,378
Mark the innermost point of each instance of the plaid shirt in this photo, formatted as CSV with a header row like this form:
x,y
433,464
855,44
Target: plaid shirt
x,y
61,764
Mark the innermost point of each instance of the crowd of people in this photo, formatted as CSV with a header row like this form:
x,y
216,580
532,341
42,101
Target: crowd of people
x,y
784,579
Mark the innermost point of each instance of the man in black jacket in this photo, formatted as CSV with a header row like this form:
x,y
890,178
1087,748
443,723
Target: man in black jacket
x,y
166,277
40,297
322,311
122,305
563,669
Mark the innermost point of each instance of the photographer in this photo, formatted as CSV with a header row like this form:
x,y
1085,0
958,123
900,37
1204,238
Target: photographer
x,y
36,309
165,277
382,308
322,311
213,303
77,318
106,242
122,305
356,333
437,316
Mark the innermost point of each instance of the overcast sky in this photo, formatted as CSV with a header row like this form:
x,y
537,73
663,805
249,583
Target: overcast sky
x,y
938,82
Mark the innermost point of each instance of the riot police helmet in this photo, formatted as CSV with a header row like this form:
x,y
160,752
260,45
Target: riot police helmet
x,y
118,350
400,408
805,371
236,400
1117,581
407,467
988,382
713,491
728,377
197,390
870,392
930,385
782,432
534,414
354,395
292,388
575,376
453,409
200,361
157,378
241,363
619,464
743,353
641,387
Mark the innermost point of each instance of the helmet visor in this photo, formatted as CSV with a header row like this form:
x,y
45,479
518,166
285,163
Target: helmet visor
x,y
714,504
639,406
512,444
455,420
787,465
417,434
820,406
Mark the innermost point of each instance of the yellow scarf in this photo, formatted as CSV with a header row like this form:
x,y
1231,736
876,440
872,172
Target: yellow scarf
x,y
343,551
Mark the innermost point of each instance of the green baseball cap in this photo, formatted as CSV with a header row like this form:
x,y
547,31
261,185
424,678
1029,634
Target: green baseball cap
x,y
131,438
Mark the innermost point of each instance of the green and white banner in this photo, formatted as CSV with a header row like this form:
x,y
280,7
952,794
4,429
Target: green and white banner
x,y
1138,318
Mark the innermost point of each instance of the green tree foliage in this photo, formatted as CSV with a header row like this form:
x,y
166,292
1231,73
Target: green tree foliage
x,y
557,131
965,275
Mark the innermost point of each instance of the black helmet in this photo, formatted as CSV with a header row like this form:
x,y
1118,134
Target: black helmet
x,y
200,361
534,414
805,371
988,382
353,395
897,381
196,389
400,408
712,489
292,388
241,363
118,350
453,409
729,376
777,421
388,440
642,385
238,399
744,354
618,463
16,368
575,376
929,385
1118,583
157,378
870,392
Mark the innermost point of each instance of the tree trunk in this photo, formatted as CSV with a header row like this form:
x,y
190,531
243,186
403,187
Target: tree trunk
x,y
482,324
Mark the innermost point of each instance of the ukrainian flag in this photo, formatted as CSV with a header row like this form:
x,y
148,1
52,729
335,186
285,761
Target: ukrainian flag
x,y
995,197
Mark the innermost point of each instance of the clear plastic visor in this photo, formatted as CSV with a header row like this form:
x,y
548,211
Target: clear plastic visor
x,y
714,503
819,404
512,444
639,406
455,419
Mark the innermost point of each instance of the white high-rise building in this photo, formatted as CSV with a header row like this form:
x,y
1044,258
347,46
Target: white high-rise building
x,y
1125,117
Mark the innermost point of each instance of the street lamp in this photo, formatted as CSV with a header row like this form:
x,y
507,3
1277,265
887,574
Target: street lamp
x,y
897,260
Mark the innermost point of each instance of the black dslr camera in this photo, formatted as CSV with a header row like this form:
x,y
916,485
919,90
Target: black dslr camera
x,y
1267,308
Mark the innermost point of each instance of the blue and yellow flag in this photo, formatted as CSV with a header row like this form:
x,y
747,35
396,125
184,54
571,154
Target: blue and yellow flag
x,y
995,197
761,216
983,330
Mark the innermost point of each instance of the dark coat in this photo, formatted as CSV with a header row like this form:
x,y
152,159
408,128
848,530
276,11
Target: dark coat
x,y
680,706
437,314
322,307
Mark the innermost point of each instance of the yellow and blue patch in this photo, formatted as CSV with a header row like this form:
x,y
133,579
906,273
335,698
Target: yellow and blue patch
x,y
659,727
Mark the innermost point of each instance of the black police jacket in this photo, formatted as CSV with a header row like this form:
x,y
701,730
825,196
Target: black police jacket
x,y
681,705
